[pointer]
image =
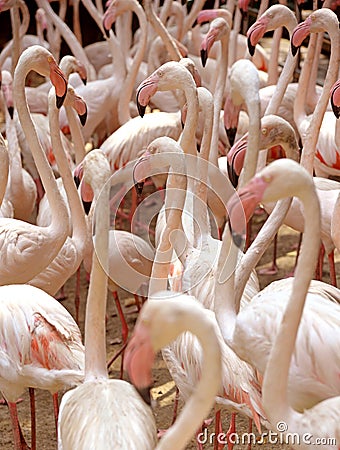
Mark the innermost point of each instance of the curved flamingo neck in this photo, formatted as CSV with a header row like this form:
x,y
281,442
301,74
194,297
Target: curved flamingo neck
x,y
203,398
79,228
275,382
59,214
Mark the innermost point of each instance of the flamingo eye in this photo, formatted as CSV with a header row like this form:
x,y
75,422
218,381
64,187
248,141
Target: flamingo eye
x,y
160,73
270,15
264,131
267,178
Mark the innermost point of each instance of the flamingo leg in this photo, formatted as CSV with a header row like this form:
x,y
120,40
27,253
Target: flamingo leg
x,y
250,431
33,419
77,295
231,431
19,440
218,431
56,411
125,328
320,263
174,416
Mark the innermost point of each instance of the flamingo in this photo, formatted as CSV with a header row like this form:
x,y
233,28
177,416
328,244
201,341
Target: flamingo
x,y
83,422
40,346
27,249
183,356
313,323
21,189
311,380
68,260
319,149
128,251
161,320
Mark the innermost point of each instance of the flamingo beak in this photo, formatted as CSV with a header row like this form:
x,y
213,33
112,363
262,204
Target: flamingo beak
x,y
299,34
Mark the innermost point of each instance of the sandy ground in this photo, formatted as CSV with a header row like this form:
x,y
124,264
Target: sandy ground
x,y
164,389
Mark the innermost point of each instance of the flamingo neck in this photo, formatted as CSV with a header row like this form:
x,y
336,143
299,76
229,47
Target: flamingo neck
x,y
95,328
218,95
59,214
76,134
311,139
206,389
79,228
128,87
275,382
4,168
174,205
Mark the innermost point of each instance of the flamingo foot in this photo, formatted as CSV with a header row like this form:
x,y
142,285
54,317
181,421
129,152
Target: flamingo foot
x,y
4,403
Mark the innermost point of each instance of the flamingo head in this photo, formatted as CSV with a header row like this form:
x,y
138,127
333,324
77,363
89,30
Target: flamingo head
x,y
78,103
141,171
300,33
256,32
231,118
218,28
58,80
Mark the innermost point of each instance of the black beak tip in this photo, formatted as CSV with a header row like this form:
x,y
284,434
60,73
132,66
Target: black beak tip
x,y
76,180
83,118
84,80
251,47
141,109
233,177
87,207
294,49
11,112
195,24
60,100
204,57
145,394
231,133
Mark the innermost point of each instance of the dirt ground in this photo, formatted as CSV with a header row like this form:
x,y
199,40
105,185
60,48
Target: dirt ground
x,y
164,389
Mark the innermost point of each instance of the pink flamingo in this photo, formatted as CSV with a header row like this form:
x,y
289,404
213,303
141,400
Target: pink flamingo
x,y
305,322
311,379
40,346
27,249
84,422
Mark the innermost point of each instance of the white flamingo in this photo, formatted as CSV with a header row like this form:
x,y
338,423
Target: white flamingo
x,y
161,320
27,249
40,346
311,378
84,421
296,324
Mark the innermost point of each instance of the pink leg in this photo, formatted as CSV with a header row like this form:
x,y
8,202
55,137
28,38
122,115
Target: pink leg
x,y
320,263
174,415
33,420
56,411
19,440
250,430
218,431
77,295
232,430
125,328
332,272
